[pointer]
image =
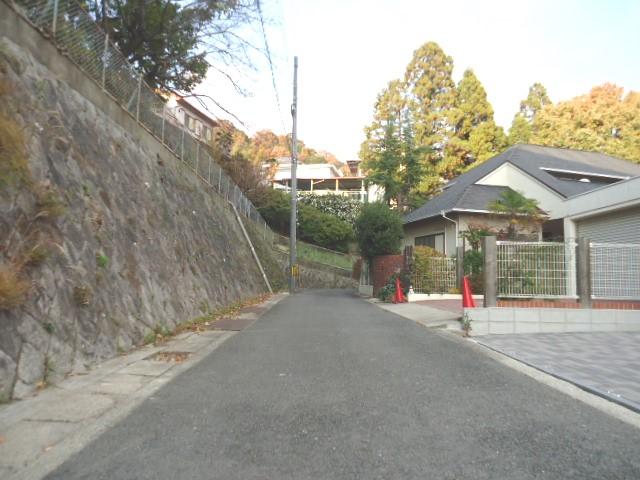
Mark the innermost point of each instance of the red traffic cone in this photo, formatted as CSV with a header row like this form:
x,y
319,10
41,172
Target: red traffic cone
x,y
399,296
467,295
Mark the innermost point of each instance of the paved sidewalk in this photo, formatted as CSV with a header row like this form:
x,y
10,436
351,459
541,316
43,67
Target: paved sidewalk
x,y
607,364
41,432
423,314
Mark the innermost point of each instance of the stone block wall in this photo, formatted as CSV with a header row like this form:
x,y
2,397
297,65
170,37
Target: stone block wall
x,y
318,275
136,242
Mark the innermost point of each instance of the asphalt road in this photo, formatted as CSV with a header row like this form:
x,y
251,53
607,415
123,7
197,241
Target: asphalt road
x,y
328,386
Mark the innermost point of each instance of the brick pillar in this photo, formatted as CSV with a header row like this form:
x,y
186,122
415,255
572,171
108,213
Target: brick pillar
x,y
383,267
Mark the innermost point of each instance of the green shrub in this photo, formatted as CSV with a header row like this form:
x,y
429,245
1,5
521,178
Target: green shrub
x,y
472,264
275,208
345,208
387,292
322,229
102,261
314,226
379,230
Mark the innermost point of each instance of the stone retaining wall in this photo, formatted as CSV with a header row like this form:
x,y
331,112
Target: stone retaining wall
x,y
318,275
138,244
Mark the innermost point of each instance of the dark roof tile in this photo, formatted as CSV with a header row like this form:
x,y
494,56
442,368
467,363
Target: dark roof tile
x,y
530,159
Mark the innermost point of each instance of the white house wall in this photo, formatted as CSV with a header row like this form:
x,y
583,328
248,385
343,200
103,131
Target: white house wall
x,y
508,175
612,197
429,227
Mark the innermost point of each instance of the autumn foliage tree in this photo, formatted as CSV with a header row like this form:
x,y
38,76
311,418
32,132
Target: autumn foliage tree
x,y
604,120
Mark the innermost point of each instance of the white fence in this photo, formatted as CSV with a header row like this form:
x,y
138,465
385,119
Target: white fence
x,y
439,277
536,269
615,271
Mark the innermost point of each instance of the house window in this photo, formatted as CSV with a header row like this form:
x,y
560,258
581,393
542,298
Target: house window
x,y
435,241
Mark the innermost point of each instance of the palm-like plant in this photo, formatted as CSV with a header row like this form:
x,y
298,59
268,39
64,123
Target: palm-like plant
x,y
518,209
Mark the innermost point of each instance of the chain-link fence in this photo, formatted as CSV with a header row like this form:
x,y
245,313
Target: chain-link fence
x,y
536,269
78,37
615,271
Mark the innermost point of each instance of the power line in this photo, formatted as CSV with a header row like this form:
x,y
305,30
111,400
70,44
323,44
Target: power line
x,y
273,76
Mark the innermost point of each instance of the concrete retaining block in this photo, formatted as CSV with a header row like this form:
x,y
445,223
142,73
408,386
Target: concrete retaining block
x,y
504,320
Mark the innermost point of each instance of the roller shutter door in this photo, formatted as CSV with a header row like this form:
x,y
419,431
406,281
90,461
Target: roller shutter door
x,y
622,226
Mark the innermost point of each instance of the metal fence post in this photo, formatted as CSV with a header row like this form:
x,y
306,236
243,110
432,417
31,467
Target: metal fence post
x,y
584,272
138,102
164,108
197,156
104,61
54,23
459,266
490,271
182,145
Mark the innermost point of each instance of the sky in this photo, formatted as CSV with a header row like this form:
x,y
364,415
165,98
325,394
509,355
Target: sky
x,y
349,50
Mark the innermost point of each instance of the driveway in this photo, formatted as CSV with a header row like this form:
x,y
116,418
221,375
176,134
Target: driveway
x,y
329,386
605,363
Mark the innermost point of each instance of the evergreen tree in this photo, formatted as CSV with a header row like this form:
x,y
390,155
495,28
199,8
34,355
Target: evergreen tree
x,y
521,127
475,135
430,93
390,154
169,41
380,152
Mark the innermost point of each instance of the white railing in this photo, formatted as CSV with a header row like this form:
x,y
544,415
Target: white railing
x,y
615,271
536,269
439,276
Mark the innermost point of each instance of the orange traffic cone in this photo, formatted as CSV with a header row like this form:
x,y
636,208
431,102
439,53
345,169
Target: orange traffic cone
x,y
399,296
467,295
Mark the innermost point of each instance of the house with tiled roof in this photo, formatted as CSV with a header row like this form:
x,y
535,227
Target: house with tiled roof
x,y
552,176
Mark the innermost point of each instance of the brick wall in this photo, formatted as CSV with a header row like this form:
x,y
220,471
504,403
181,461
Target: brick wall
x,y
383,267
599,304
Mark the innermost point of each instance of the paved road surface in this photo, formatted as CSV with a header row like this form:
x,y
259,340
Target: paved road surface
x,y
328,386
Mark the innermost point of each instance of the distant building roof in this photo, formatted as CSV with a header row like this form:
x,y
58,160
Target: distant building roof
x,y
307,171
191,104
567,172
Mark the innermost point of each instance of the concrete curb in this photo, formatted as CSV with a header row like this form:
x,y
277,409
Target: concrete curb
x,y
423,315
38,434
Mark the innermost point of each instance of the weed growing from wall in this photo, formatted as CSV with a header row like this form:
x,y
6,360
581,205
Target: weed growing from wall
x,y
14,289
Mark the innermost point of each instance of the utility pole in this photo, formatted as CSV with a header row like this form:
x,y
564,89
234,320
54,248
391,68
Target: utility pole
x,y
293,267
